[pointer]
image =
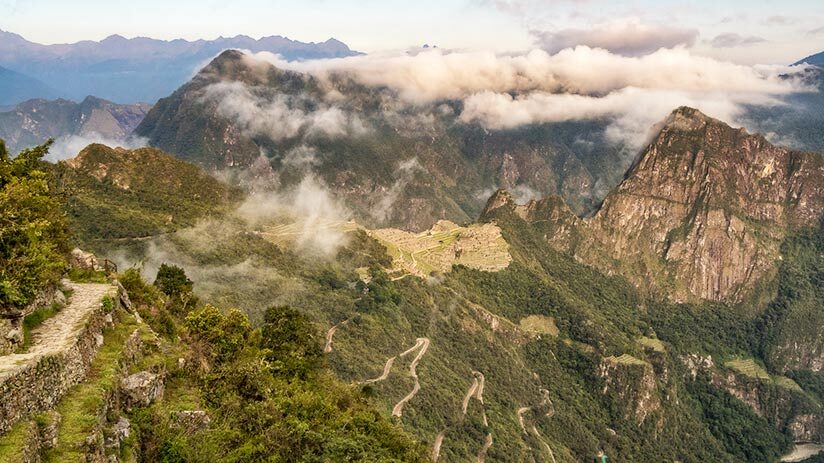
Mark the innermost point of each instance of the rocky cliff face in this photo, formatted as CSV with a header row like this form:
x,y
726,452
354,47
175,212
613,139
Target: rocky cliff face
x,y
701,215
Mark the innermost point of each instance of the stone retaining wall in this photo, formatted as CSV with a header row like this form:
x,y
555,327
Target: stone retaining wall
x,y
38,386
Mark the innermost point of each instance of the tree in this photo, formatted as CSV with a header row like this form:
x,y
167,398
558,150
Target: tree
x,y
33,237
173,282
291,341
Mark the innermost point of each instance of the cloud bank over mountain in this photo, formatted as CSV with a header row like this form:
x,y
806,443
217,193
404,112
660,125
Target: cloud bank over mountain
x,y
581,83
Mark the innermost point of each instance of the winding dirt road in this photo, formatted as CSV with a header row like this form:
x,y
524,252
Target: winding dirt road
x,y
328,347
485,448
385,373
534,430
436,449
423,344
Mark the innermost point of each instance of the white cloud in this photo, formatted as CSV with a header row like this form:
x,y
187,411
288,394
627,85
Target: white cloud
x,y
731,39
438,75
404,174
310,205
582,83
69,146
632,111
278,116
629,37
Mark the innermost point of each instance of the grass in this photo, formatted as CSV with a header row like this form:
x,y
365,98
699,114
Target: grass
x,y
81,406
11,444
35,319
540,324
750,368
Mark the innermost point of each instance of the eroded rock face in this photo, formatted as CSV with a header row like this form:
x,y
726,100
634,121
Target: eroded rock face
x,y
141,389
700,216
710,204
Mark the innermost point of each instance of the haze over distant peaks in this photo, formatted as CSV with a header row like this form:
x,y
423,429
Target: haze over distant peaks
x,y
16,87
140,69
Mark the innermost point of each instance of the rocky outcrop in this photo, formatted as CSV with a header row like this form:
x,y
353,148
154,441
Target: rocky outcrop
x,y
701,215
631,384
141,389
11,321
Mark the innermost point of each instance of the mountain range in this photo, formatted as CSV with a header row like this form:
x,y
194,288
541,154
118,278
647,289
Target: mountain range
x,y
34,121
16,87
370,154
534,294
135,70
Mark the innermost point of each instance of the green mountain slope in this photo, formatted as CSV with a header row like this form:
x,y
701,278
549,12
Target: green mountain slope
x,y
546,359
117,194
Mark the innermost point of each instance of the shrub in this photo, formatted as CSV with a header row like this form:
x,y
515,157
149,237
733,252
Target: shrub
x,y
33,240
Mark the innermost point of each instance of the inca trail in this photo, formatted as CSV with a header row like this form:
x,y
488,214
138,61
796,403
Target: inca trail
x,y
56,334
423,344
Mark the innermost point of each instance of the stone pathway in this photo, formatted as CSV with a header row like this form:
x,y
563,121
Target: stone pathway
x,y
59,332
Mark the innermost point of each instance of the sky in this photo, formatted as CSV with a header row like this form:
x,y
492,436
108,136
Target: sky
x,y
742,31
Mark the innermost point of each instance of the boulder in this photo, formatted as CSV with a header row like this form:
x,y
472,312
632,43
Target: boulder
x,y
118,433
84,260
141,389
59,297
125,302
15,336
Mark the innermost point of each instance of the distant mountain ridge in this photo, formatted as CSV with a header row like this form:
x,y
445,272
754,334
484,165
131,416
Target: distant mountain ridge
x,y
138,69
32,122
16,87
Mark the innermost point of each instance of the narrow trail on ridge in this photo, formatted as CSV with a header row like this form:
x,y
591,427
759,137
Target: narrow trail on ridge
x,y
423,344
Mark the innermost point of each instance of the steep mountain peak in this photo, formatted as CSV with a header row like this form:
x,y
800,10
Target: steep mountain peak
x,y
687,118
701,214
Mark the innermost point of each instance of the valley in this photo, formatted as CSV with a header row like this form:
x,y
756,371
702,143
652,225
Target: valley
x,y
607,247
